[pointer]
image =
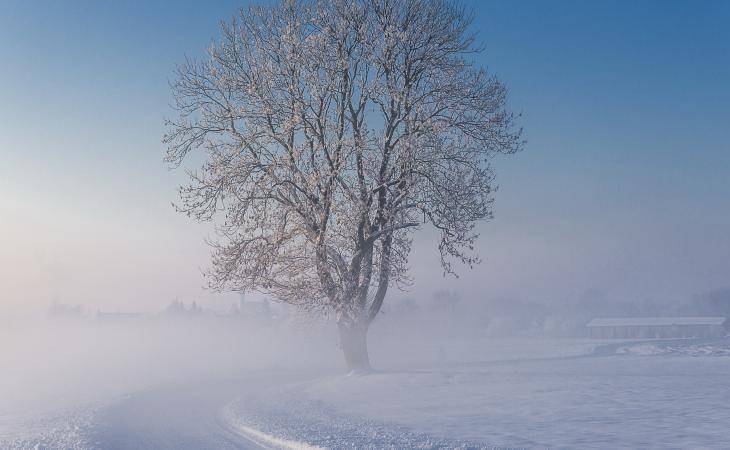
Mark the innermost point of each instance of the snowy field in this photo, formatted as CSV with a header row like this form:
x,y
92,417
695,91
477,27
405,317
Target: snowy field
x,y
618,397
443,393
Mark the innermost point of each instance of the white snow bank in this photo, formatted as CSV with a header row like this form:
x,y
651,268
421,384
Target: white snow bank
x,y
242,425
287,422
266,439
648,349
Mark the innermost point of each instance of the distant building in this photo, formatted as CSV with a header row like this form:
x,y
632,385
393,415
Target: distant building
x,y
658,327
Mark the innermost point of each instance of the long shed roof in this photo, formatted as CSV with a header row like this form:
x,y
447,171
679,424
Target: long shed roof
x,y
655,321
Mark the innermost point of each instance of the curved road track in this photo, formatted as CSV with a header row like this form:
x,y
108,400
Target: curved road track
x,y
182,416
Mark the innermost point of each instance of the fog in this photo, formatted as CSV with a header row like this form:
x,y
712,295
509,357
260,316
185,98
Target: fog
x,y
51,362
70,355
176,378
598,317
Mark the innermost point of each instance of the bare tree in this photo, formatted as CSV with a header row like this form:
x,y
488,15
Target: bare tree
x,y
331,131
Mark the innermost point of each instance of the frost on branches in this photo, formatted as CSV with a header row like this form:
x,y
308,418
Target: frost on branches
x,y
331,131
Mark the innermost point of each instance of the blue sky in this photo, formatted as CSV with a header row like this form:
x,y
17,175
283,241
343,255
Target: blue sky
x,y
623,185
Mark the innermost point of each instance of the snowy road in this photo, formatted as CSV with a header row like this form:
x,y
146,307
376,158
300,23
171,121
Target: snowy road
x,y
185,416
217,415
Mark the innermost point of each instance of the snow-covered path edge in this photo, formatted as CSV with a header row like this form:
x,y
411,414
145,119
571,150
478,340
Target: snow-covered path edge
x,y
277,420
258,437
265,439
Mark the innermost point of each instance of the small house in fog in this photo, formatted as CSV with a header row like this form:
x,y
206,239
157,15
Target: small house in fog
x,y
658,327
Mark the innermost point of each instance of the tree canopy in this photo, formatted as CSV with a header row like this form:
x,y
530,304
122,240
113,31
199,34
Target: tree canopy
x,y
331,131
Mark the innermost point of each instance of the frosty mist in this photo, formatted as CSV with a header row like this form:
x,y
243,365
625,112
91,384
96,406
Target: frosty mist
x,y
332,130
333,168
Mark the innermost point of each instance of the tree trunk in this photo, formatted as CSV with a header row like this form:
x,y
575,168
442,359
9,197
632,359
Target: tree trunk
x,y
354,342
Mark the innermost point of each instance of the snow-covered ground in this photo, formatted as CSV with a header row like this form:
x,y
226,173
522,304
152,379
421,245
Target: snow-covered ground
x,y
560,399
60,429
459,393
678,348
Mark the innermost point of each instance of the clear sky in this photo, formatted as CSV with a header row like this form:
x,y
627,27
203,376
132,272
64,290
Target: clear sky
x,y
623,186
